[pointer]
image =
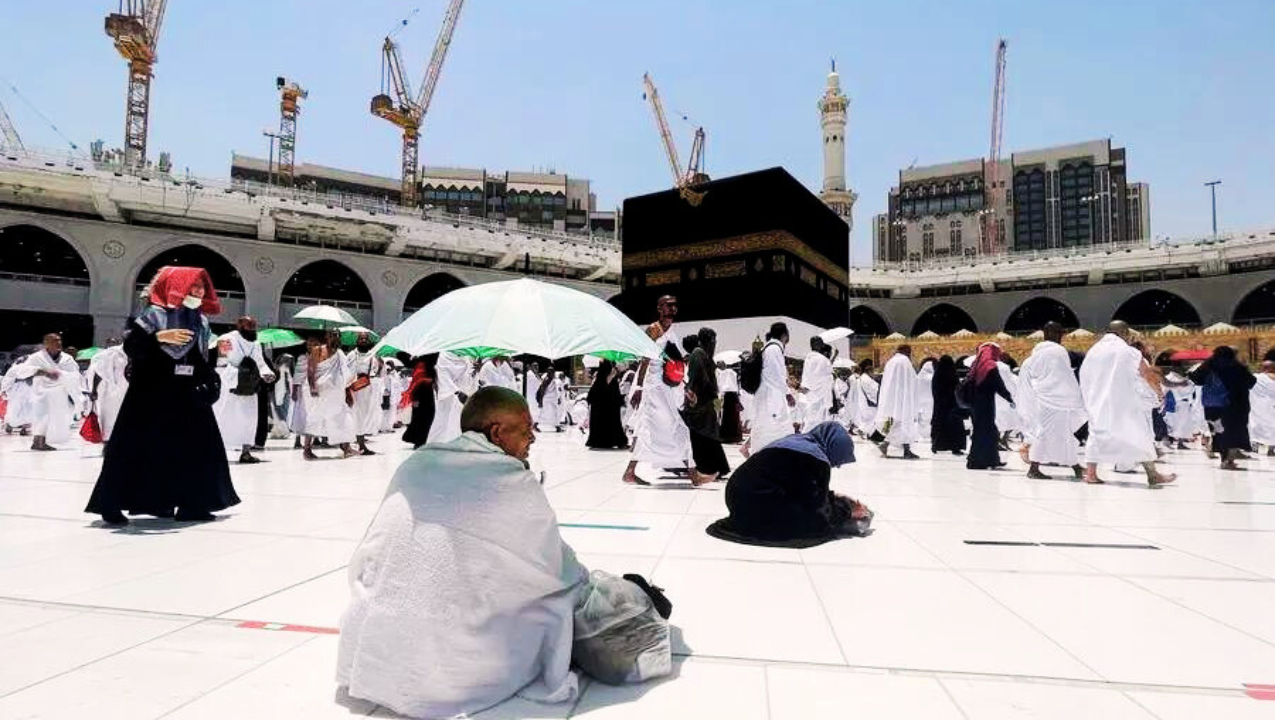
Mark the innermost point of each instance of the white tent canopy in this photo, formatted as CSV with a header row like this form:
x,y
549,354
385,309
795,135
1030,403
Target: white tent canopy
x,y
1220,328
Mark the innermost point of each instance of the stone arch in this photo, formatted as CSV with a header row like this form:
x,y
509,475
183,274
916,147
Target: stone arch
x,y
865,321
42,254
944,319
1034,313
1257,306
429,289
328,281
226,277
1155,308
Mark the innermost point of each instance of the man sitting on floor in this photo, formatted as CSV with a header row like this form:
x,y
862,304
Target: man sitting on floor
x,y
463,592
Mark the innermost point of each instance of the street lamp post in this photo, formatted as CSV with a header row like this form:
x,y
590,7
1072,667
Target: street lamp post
x,y
1213,198
271,157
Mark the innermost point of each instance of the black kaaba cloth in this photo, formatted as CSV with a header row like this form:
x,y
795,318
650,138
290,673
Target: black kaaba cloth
x,y
753,245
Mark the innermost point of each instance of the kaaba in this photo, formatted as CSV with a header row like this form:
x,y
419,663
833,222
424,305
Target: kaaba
x,y
758,245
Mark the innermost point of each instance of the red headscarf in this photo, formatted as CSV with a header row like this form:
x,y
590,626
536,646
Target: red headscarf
x,y
421,376
172,285
988,355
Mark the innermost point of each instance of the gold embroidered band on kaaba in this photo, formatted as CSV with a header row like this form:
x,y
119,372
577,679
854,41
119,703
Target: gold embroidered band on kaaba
x,y
738,245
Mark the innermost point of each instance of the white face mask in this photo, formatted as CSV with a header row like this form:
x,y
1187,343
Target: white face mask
x,y
191,302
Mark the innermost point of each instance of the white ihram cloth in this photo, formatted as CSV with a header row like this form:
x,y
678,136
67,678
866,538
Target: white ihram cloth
x,y
328,415
462,590
238,414
866,395
453,375
18,394
816,378
301,397
500,376
109,365
662,438
1118,400
1262,410
1050,404
899,390
1007,417
52,400
529,383
368,402
1187,417
771,418
924,399
551,414
391,391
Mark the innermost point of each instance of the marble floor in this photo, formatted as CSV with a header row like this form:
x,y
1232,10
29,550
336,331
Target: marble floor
x,y
980,594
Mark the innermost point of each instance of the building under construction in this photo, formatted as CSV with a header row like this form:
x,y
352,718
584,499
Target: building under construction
x,y
1052,198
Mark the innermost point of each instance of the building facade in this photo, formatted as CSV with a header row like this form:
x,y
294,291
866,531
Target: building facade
x,y
551,201
1060,197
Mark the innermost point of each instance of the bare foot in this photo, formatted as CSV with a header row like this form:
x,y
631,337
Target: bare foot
x,y
308,455
745,450
1025,453
1162,479
701,478
1092,478
633,479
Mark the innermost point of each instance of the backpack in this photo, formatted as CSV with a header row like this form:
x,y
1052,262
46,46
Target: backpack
x,y
753,368
1214,394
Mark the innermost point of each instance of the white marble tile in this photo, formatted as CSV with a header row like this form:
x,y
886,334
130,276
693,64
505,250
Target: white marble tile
x,y
805,693
699,689
1184,706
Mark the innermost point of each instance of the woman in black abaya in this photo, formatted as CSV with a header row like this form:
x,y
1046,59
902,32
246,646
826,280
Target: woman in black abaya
x,y
947,422
1225,383
421,398
984,383
165,456
605,401
781,496
699,411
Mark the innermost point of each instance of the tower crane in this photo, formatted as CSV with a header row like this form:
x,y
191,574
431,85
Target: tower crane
x,y
991,170
290,94
136,32
8,134
405,111
693,172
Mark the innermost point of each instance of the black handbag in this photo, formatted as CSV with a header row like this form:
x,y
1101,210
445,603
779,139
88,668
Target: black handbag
x,y
660,601
209,389
248,378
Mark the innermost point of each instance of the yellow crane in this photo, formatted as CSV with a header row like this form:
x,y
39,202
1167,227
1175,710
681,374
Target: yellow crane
x,y
408,112
136,32
290,94
692,173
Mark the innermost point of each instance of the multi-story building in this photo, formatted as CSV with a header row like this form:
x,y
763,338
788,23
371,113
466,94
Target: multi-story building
x,y
1059,197
1138,208
529,199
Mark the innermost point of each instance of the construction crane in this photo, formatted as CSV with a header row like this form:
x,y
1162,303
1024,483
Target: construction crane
x,y
136,32
8,134
991,170
692,173
290,93
405,111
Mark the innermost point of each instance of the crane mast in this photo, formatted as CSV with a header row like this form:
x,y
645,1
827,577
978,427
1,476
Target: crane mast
x,y
991,244
290,94
8,134
136,32
691,174
408,113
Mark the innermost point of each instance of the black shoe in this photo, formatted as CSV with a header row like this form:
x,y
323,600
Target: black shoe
x,y
247,459
367,451
1035,474
908,455
114,519
185,516
957,452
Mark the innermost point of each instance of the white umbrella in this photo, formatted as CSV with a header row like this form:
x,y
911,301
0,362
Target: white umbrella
x,y
326,315
728,357
843,363
834,334
521,316
590,361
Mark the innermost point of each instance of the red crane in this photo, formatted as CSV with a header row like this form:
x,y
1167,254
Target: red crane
x,y
991,170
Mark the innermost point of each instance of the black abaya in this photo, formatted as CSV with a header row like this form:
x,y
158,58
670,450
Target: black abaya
x,y
166,451
1234,415
947,431
699,414
782,498
421,416
605,401
730,420
984,451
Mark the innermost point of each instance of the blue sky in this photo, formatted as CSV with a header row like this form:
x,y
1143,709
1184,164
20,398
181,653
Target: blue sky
x,y
1187,87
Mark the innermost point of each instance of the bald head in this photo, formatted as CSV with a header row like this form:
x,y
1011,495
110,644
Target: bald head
x,y
502,416
1118,327
1054,331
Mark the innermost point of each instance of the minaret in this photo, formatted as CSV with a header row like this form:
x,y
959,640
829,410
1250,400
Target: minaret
x,y
834,108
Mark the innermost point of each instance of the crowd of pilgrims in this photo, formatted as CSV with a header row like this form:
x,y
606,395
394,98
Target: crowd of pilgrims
x,y
466,504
